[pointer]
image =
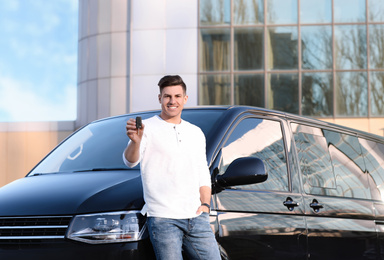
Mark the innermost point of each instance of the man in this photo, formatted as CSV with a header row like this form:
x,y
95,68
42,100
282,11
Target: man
x,y
175,175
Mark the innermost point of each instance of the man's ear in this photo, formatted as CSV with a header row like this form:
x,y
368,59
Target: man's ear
x,y
159,98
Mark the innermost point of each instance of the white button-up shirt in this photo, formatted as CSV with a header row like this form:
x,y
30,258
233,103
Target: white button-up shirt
x,y
173,168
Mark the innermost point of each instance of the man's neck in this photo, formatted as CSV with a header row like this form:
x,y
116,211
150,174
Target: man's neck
x,y
172,120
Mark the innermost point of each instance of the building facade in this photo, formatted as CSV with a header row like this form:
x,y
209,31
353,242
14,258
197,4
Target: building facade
x,y
125,47
318,58
315,58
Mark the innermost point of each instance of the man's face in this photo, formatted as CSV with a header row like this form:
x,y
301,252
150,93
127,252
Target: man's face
x,y
172,100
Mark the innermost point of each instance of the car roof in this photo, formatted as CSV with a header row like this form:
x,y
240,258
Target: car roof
x,y
235,110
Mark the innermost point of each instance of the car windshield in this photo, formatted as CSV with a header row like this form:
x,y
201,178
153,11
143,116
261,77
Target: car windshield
x,y
100,145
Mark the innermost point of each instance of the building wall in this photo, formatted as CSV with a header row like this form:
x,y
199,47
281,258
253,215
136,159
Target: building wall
x,y
125,47
23,145
370,125
164,41
103,59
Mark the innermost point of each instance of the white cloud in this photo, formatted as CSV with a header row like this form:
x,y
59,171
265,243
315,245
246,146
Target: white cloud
x,y
20,103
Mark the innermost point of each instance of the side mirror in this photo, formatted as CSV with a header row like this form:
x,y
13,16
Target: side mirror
x,y
243,171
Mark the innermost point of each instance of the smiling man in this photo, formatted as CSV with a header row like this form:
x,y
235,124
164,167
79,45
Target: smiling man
x,y
175,176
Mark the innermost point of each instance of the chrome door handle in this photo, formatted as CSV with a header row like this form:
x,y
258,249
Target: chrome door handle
x,y
316,206
290,204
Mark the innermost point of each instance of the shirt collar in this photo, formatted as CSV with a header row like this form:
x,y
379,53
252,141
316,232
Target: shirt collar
x,y
170,124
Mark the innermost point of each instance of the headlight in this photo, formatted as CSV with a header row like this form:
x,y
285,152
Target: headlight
x,y
111,227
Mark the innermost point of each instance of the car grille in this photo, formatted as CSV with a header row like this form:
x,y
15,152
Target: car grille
x,y
32,228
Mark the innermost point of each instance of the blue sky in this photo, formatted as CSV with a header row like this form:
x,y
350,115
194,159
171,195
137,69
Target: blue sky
x,y
38,60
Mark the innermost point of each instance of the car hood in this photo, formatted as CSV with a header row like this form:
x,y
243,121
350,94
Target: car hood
x,y
72,193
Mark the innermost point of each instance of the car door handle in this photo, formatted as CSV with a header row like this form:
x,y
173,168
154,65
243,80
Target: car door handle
x,y
316,206
290,204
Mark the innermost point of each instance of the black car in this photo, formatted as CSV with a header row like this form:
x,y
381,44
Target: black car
x,y
284,187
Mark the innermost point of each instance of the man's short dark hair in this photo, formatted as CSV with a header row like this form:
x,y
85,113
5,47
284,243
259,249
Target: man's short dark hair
x,y
171,80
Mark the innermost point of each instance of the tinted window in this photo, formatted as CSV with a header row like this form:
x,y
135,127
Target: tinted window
x,y
263,139
374,161
315,161
100,145
348,165
331,162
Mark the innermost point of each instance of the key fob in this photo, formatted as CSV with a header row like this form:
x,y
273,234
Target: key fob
x,y
138,122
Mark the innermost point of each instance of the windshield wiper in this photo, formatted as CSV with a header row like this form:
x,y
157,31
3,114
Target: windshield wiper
x,y
87,170
39,174
103,169
36,174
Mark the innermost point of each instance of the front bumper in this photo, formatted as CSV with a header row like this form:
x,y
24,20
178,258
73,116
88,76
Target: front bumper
x,y
72,250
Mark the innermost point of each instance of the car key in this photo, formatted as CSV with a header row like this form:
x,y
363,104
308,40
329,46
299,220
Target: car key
x,y
138,122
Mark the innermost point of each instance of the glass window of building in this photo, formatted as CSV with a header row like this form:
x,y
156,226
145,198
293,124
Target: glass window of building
x,y
376,11
282,48
317,94
376,46
248,48
321,58
349,11
351,94
282,11
316,45
350,47
249,89
248,12
215,12
377,93
316,11
285,92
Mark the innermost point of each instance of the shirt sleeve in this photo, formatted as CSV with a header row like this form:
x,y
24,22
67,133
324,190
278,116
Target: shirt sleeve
x,y
129,164
142,148
205,177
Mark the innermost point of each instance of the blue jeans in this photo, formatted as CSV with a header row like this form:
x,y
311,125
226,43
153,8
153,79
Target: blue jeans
x,y
194,236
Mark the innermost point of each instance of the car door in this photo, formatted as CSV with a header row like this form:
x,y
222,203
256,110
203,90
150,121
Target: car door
x,y
373,153
337,200
259,220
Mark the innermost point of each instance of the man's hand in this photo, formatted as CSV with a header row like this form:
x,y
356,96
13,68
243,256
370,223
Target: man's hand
x,y
205,198
132,152
132,132
202,208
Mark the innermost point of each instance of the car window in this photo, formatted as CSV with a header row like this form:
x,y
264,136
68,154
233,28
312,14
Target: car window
x,y
331,162
348,165
314,159
97,146
374,160
261,138
100,145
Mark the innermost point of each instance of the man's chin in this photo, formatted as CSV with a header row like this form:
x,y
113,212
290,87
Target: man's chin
x,y
173,112
169,113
